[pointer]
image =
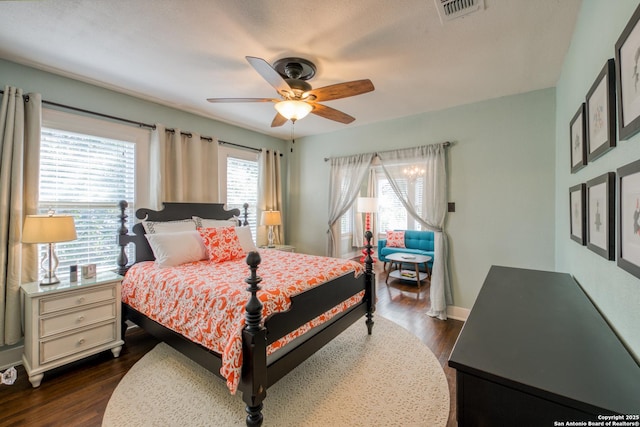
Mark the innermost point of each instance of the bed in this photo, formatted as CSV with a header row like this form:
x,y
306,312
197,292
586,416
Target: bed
x,y
271,345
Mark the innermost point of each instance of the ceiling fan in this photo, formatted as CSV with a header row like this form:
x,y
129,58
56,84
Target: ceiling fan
x,y
289,77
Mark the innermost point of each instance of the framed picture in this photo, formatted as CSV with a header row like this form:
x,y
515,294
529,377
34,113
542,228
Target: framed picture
x,y
601,113
628,73
577,132
601,215
578,219
629,228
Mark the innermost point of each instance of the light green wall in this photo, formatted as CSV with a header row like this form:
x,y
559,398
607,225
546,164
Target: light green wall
x,y
614,291
501,171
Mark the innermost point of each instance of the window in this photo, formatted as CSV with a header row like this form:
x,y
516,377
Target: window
x,y
392,214
239,182
85,175
346,222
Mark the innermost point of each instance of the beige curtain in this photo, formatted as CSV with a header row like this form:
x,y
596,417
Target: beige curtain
x,y
183,168
270,194
431,212
20,122
347,175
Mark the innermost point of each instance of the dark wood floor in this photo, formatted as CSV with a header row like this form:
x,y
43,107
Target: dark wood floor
x,y
77,395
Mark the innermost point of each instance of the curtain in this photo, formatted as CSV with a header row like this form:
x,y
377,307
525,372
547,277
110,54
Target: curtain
x,y
183,167
427,166
20,123
347,175
269,194
358,223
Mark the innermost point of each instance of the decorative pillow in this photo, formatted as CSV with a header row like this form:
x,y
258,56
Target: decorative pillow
x,y
171,249
395,239
213,223
246,239
222,243
153,227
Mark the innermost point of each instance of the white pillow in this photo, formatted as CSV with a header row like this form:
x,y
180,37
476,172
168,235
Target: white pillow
x,y
153,227
213,223
245,238
171,249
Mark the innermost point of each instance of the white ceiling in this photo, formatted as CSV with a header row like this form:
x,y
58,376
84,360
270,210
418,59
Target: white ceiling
x,y
180,52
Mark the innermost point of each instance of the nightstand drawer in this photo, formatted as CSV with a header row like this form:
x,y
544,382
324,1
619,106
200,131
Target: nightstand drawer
x,y
75,343
76,319
76,299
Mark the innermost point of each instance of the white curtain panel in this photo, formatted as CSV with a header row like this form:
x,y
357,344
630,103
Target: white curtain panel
x,y
20,123
347,175
431,213
269,195
183,168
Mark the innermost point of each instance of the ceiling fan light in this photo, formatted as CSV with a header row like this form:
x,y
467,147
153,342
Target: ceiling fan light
x,y
293,110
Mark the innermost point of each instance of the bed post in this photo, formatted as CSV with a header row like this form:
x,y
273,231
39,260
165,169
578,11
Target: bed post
x,y
122,231
254,349
245,207
370,285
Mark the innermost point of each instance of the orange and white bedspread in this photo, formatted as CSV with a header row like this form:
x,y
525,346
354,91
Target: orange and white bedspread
x,y
205,301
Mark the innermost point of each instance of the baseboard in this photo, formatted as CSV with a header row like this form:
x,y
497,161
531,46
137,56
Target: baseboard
x,y
458,313
11,357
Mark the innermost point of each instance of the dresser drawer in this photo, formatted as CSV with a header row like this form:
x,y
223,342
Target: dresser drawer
x,y
76,319
57,348
76,299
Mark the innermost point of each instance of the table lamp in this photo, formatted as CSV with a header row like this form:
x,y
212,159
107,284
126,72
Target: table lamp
x,y
367,205
49,229
271,218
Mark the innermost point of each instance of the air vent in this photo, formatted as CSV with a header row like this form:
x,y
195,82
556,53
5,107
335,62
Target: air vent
x,y
452,9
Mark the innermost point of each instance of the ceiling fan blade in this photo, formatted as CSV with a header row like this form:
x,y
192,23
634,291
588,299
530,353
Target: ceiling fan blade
x,y
278,120
269,74
214,100
342,90
331,114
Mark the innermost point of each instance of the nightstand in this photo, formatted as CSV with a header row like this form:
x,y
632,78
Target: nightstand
x,y
69,321
283,248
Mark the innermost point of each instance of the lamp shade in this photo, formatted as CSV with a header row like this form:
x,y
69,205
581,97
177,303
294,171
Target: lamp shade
x,y
271,218
293,110
367,204
48,229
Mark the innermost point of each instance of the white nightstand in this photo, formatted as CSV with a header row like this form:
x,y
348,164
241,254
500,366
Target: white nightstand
x,y
69,321
283,248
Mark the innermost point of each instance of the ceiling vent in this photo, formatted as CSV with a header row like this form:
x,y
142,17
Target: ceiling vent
x,y
452,9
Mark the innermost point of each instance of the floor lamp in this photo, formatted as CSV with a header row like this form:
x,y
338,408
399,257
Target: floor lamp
x,y
368,206
270,219
49,229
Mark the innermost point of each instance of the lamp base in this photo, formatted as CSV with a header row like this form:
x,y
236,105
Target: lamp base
x,y
48,281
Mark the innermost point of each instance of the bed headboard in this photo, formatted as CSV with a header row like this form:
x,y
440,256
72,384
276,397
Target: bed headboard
x,y
171,211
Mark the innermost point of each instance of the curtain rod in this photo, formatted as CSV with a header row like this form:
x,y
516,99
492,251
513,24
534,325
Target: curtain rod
x,y
132,122
444,144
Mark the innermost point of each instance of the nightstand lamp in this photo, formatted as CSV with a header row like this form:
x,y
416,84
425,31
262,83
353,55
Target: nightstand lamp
x,y
49,229
270,219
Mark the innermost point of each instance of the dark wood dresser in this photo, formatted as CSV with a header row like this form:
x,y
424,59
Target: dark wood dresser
x,y
536,352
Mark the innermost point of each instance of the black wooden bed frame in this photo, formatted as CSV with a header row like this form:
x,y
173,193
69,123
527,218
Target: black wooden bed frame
x,y
258,371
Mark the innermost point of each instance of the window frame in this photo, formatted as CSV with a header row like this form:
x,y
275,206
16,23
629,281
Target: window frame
x,y
225,152
81,124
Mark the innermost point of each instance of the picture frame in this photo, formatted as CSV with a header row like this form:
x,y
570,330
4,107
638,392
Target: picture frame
x,y
601,113
627,54
629,218
577,133
577,217
600,208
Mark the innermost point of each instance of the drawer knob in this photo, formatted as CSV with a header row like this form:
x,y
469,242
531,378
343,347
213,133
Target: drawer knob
x,y
81,341
80,300
80,319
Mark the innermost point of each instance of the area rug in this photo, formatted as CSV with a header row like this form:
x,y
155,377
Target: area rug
x,y
387,379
